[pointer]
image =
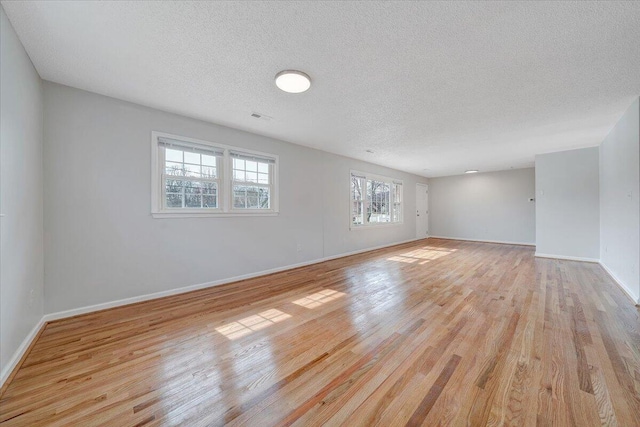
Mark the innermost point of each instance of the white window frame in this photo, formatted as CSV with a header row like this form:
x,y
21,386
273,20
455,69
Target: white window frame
x,y
224,179
233,182
365,202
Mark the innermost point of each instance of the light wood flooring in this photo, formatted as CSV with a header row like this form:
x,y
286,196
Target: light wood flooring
x,y
434,332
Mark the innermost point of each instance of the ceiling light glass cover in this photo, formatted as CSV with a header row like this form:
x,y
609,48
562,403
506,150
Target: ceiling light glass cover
x,y
293,81
471,171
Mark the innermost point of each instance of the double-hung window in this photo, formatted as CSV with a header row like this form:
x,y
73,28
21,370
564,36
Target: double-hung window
x,y
375,200
199,178
251,181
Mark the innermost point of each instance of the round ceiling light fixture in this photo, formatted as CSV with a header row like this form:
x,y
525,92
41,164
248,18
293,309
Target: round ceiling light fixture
x,y
293,81
471,171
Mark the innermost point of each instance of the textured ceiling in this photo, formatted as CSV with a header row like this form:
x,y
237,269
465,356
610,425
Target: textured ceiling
x,y
432,88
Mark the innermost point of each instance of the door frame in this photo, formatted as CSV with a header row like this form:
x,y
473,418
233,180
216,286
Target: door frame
x,y
422,187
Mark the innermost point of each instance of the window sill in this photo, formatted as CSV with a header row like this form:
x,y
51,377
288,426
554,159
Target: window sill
x,y
370,226
160,215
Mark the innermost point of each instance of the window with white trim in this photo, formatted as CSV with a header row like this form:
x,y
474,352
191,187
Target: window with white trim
x,y
199,178
251,181
375,200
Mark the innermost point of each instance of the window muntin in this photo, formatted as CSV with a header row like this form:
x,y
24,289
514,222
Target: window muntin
x,y
189,178
375,200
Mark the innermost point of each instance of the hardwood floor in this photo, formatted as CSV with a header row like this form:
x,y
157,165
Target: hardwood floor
x,y
434,332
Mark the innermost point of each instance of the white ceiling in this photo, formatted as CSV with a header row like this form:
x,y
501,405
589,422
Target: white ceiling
x,y
432,88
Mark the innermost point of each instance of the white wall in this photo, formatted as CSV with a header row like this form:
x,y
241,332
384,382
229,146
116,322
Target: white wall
x,y
21,247
491,206
568,204
102,243
619,201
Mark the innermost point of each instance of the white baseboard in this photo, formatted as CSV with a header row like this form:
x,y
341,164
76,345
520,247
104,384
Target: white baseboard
x,y
502,242
566,257
126,301
621,284
22,349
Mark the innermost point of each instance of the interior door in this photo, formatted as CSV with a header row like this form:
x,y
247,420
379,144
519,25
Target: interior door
x,y
422,211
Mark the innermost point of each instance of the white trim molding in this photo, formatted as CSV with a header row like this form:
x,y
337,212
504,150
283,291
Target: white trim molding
x,y
502,242
634,298
567,258
20,352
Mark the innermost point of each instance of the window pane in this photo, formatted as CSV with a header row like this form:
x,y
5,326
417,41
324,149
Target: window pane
x,y
357,205
369,200
173,155
357,217
209,188
193,201
191,187
356,188
252,166
208,160
247,171
185,193
209,202
191,170
252,202
191,166
173,186
208,172
193,158
249,197
174,169
264,199
397,203
239,202
174,200
378,198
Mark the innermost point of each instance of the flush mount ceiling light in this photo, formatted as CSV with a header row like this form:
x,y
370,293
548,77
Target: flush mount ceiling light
x,y
471,171
293,81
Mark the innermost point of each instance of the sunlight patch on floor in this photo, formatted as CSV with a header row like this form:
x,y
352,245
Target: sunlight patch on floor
x,y
422,255
253,323
398,258
319,298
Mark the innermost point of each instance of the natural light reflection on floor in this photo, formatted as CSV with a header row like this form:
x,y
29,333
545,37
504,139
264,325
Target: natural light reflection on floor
x,y
319,298
253,323
422,255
